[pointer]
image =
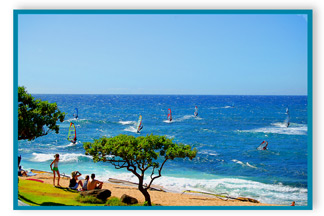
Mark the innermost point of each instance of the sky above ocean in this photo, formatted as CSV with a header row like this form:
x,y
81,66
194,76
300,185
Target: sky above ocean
x,y
214,54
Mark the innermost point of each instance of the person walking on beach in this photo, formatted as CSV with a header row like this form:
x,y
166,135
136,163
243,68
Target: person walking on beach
x,y
85,183
74,183
94,184
55,169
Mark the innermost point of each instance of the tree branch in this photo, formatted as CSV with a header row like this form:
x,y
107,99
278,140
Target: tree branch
x,y
155,177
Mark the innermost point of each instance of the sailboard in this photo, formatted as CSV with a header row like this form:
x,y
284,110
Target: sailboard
x,y
72,133
169,115
139,125
196,111
76,113
263,146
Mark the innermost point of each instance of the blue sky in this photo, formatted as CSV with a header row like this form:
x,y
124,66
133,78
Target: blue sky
x,y
163,54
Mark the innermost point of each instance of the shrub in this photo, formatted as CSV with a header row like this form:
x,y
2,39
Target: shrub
x,y
114,201
89,199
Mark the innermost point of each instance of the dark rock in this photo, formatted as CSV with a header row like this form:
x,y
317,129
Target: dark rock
x,y
102,194
128,199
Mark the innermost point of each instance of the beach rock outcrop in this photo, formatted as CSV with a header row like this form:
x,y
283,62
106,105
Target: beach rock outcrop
x,y
128,199
247,199
102,194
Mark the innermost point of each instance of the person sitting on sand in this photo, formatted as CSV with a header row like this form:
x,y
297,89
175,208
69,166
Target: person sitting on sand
x,y
74,183
85,183
55,169
21,172
94,184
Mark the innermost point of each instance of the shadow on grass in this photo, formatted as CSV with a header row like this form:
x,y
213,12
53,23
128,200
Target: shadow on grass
x,y
67,189
22,198
52,204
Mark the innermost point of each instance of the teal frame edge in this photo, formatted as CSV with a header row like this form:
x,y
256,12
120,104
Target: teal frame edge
x,y
307,12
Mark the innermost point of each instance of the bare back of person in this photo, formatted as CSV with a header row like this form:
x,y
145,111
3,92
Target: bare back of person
x,y
94,184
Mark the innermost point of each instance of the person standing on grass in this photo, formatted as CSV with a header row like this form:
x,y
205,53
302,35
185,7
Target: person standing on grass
x,y
55,169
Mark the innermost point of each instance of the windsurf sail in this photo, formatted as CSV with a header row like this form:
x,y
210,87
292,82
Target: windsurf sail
x,y
72,133
287,121
196,111
223,196
139,124
169,115
263,146
76,113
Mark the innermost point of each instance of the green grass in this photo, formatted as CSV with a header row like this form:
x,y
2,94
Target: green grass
x,y
114,201
40,194
89,199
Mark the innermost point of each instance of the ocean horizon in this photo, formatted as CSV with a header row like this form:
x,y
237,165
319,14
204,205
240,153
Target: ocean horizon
x,y
226,133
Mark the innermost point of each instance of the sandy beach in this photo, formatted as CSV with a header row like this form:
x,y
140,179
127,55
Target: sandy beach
x,y
157,197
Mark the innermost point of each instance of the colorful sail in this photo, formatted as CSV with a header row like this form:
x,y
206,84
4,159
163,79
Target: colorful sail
x,y
263,146
169,115
196,111
72,133
139,124
76,113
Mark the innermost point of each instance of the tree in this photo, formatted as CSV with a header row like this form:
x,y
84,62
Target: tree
x,y
138,155
36,117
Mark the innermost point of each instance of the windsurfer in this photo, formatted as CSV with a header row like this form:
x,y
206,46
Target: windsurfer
x,y
140,128
263,146
196,111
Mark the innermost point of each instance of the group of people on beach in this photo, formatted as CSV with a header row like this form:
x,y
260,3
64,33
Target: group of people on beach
x,y
74,181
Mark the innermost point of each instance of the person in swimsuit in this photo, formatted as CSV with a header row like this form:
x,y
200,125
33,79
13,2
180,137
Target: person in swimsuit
x,y
94,184
140,128
55,169
85,183
21,172
74,183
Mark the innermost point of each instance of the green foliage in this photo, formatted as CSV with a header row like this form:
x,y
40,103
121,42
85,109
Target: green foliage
x,y
89,199
114,201
137,155
142,150
36,117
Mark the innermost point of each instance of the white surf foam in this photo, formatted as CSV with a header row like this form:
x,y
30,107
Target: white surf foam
x,y
244,164
183,118
127,122
280,128
131,129
168,122
70,157
209,152
234,187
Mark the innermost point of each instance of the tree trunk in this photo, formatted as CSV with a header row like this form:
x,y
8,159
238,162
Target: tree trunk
x,y
145,193
147,197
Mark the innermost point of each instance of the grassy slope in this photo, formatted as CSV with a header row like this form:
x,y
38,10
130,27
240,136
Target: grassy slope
x,y
40,194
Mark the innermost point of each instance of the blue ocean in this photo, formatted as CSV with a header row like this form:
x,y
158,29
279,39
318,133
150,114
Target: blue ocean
x,y
226,133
